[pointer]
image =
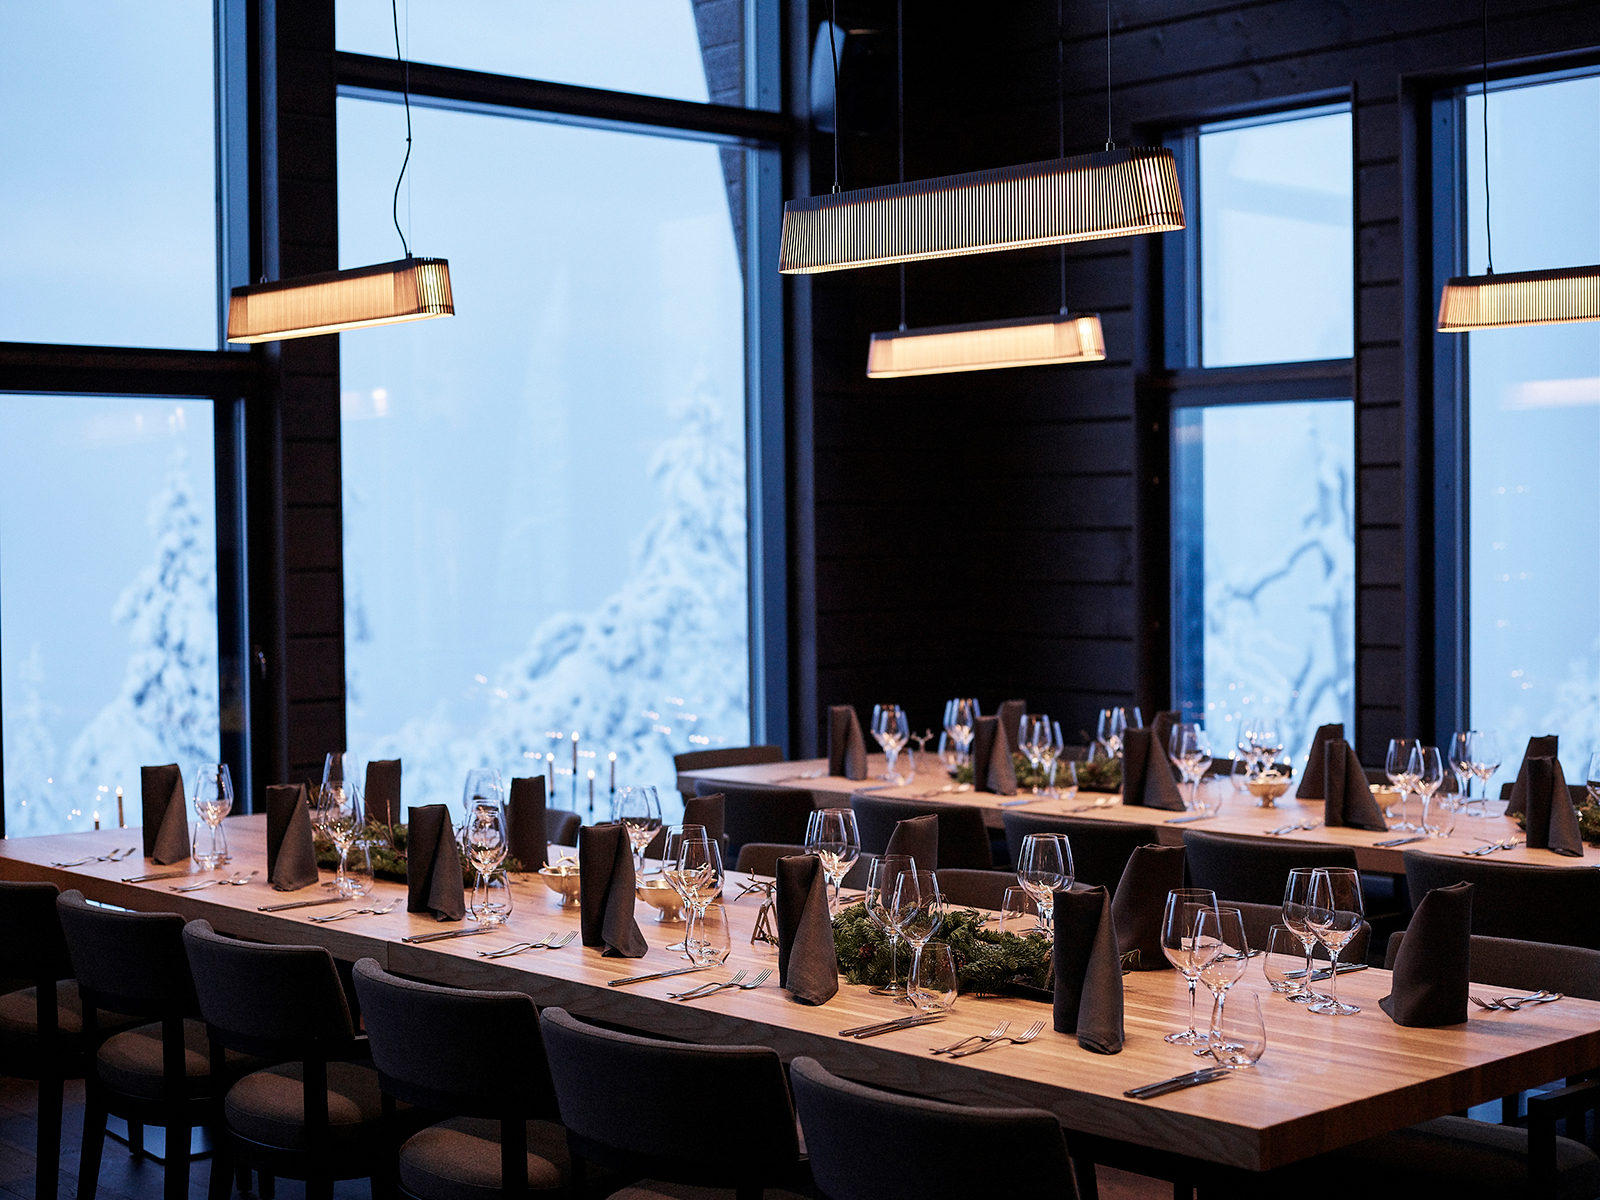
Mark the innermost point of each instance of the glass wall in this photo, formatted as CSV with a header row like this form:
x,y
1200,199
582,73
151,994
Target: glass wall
x,y
108,644
544,496
1534,421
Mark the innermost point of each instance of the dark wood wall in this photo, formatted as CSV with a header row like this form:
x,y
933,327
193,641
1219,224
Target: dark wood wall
x,y
1003,532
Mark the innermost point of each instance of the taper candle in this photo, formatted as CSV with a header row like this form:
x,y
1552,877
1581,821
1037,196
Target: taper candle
x,y
613,757
121,824
591,797
97,818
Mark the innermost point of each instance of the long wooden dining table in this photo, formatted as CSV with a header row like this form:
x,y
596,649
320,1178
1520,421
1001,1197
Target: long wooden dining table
x,y
1323,1083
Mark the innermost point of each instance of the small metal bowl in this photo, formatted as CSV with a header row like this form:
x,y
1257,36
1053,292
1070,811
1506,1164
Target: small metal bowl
x,y
1267,788
564,882
661,896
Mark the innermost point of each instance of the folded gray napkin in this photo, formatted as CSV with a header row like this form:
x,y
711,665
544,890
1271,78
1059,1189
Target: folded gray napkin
x,y
847,753
1430,971
1011,714
1140,905
992,770
166,814
1548,746
1550,821
1135,754
433,865
1148,777
807,964
1311,784
525,822
382,793
1088,970
1348,795
917,837
291,854
606,891
708,811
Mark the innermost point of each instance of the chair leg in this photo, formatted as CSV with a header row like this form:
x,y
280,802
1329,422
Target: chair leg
x,y
269,1186
219,1186
136,1138
93,1147
319,1189
176,1178
241,1178
1088,1182
47,1167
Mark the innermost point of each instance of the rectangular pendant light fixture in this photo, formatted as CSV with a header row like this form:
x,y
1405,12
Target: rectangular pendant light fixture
x,y
1520,298
1111,193
409,289
986,345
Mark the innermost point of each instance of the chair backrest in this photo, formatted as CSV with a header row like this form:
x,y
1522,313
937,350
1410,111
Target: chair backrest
x,y
707,810
1514,900
1100,849
761,858
129,962
1511,963
963,837
561,826
968,888
865,1144
33,948
265,999
1253,869
1258,918
760,814
729,756
621,1101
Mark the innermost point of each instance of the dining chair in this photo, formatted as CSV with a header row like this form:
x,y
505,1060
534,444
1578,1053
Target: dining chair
x,y
316,1115
476,1059
709,810
1258,918
1100,849
1523,965
728,756
761,858
1251,868
1516,900
867,1144
561,826
622,1097
967,888
760,814
963,837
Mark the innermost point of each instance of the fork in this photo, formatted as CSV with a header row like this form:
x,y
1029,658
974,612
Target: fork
x,y
550,941
998,1031
753,984
114,856
1028,1034
707,989
1512,1003
235,881
356,912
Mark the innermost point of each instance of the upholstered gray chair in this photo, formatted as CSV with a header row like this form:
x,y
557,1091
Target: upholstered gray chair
x,y
1516,900
760,814
728,756
561,826
1100,849
761,858
1254,869
1258,918
963,837
967,888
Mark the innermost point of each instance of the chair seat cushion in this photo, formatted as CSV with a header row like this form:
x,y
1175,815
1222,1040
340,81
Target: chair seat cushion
x,y
19,1017
459,1159
269,1106
1459,1157
131,1062
654,1189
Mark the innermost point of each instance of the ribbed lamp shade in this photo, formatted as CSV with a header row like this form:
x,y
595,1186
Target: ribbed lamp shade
x,y
987,345
1112,193
1521,298
411,289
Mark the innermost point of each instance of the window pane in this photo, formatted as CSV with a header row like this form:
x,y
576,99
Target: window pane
x,y
1276,282
107,197
652,47
544,496
108,647
1264,566
1534,415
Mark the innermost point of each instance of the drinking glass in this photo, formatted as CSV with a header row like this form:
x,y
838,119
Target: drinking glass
x,y
960,722
1180,942
1033,735
1296,901
882,875
1190,751
1050,745
1592,779
1226,965
952,755
1395,765
358,878
1068,787
1044,866
339,804
892,730
1426,773
213,800
1281,962
491,897
483,786
831,835
1019,912
1485,762
934,986
712,939
671,850
917,911
699,881
1334,913
1113,723
1266,738
338,766
638,808
1242,1035
486,840
1460,763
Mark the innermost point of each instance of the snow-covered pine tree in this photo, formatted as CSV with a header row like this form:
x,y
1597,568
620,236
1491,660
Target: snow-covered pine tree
x,y
30,754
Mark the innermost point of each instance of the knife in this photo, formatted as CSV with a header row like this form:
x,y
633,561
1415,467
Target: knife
x,y
302,904
1324,973
160,875
897,1023
1177,1083
627,979
1186,820
1405,841
453,933
894,1027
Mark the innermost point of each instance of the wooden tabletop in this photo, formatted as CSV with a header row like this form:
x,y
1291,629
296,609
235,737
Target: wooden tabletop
x,y
1238,815
1323,1083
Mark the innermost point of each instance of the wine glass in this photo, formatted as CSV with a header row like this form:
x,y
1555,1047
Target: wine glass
x,y
917,911
483,786
1190,751
951,754
1113,723
831,835
881,876
1019,912
699,880
671,851
1426,772
486,841
1486,753
1243,1034
1180,942
1334,913
961,722
1049,743
1395,764
1460,762
1296,900
1031,732
1592,779
1044,866
892,730
638,808
1266,737
935,984
339,805
1226,965
213,800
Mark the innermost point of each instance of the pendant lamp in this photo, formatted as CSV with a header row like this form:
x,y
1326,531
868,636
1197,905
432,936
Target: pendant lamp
x,y
408,289
986,345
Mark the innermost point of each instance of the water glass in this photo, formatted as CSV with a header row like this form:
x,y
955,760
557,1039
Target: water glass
x,y
213,800
1190,751
1240,1036
1044,866
1459,761
934,987
711,938
1019,913
1283,962
1181,943
1485,762
491,898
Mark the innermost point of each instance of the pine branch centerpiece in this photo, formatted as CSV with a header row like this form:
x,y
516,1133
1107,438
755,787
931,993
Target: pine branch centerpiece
x,y
386,844
987,962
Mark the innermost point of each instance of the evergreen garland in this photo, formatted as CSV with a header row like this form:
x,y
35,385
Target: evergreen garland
x,y
387,846
986,962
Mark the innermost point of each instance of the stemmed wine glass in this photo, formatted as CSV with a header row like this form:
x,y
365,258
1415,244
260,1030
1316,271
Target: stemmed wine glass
x,y
1190,751
1048,742
882,875
483,786
638,808
699,879
1113,723
1266,738
1296,902
1032,734
892,730
1334,913
1485,762
1225,928
917,911
831,835
1426,774
213,800
1395,766
671,852
339,808
1460,764
1182,944
487,845
1044,866
961,722
1592,779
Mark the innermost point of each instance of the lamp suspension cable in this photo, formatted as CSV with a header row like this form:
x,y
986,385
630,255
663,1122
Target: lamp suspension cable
x,y
1110,145
900,119
1488,228
1061,119
405,95
833,53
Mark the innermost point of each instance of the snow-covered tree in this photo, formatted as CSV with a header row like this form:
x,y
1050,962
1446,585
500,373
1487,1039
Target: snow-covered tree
x,y
30,754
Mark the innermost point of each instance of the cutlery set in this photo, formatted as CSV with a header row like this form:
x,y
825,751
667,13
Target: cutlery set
x,y
1177,1083
356,912
866,1031
1513,1003
1490,848
1416,837
550,941
734,982
238,879
114,856
1296,827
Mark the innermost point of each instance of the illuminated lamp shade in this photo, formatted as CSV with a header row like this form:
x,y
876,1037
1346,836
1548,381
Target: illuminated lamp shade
x,y
1520,298
1112,193
1025,342
410,289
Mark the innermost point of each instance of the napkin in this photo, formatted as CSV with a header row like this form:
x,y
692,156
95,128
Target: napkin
x,y
919,838
1140,905
991,759
1011,714
807,965
606,891
847,753
1551,822
291,855
1311,783
1088,970
166,816
383,791
1147,777
1547,746
525,822
433,865
1348,795
1430,971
